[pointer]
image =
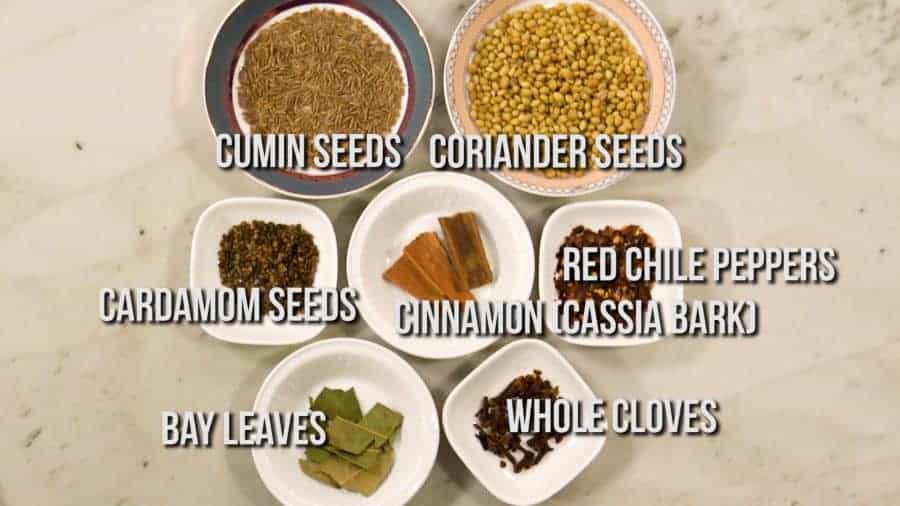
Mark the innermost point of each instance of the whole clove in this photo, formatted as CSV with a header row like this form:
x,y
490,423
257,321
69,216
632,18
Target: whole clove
x,y
492,424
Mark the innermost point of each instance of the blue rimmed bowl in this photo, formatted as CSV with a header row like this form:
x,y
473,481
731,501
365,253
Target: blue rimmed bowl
x,y
388,18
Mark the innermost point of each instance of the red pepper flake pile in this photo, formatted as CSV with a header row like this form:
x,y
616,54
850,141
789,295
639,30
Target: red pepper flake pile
x,y
617,290
493,424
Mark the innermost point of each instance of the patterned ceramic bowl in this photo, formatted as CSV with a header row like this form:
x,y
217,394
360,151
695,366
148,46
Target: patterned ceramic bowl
x,y
637,22
387,18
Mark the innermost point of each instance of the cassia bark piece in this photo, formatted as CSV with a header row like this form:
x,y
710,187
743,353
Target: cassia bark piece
x,y
466,249
409,276
428,253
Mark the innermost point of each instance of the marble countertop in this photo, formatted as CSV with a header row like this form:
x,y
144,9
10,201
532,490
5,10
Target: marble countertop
x,y
791,111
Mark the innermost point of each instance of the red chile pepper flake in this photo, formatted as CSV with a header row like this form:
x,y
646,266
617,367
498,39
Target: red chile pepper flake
x,y
492,424
617,290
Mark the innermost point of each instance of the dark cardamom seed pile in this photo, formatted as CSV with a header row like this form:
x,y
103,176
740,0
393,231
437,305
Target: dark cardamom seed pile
x,y
262,254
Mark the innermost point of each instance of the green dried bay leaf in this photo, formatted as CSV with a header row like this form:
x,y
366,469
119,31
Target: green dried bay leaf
x,y
364,460
383,421
338,403
314,471
339,470
359,453
379,439
316,454
368,480
347,436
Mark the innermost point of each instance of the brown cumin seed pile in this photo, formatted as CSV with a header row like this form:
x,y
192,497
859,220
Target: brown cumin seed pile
x,y
320,71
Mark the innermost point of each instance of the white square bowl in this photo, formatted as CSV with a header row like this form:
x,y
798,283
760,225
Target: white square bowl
x,y
218,218
656,220
558,467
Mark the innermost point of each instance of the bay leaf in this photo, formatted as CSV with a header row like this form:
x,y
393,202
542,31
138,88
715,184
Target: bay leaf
x,y
339,470
314,471
364,460
367,481
338,403
383,421
347,436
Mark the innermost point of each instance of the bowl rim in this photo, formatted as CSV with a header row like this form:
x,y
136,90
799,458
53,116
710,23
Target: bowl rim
x,y
650,22
373,348
314,211
354,239
487,363
386,172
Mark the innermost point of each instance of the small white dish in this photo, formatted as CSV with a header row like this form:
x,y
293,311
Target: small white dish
x,y
656,220
559,467
412,206
217,219
378,375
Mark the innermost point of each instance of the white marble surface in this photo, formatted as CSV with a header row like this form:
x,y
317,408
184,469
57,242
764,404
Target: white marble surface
x,y
792,113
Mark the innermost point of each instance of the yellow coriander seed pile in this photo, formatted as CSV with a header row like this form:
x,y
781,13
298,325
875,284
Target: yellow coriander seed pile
x,y
559,70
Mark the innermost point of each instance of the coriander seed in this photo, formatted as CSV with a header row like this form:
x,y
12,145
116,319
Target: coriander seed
x,y
565,69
